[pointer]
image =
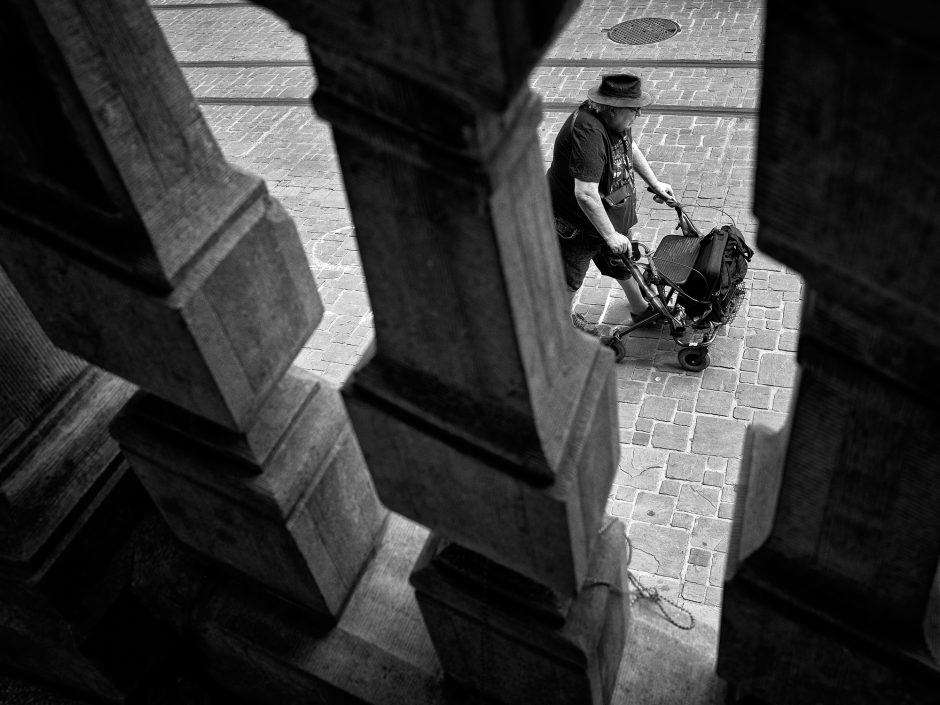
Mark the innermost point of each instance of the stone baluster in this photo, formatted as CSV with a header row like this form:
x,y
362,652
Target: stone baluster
x,y
67,505
481,412
140,249
833,586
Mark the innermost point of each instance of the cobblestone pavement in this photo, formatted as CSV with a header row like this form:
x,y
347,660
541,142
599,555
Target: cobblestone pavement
x,y
681,433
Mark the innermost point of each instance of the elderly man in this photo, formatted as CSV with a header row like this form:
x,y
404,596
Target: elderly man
x,y
592,186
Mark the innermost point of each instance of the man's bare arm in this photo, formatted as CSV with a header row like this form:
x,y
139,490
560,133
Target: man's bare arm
x,y
588,196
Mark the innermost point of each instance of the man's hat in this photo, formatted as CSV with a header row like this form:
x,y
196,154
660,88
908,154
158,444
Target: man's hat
x,y
621,90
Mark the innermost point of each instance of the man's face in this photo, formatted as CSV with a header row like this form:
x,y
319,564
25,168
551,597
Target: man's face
x,y
620,119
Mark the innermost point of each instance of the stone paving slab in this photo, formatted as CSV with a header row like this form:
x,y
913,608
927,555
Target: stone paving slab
x,y
681,433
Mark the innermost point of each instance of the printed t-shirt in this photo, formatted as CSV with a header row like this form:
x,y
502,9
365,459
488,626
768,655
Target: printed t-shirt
x,y
582,152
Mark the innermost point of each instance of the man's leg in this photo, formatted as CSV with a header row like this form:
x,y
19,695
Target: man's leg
x,y
575,260
613,266
635,299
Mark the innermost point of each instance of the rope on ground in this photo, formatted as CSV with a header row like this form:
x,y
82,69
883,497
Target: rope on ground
x,y
640,591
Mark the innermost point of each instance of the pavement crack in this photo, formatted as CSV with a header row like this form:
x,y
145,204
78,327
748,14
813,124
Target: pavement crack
x,y
700,493
645,470
652,556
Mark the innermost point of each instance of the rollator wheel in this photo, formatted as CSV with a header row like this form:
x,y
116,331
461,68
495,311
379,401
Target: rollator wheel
x,y
694,359
614,343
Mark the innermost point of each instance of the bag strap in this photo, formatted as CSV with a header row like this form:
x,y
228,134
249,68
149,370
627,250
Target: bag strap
x,y
735,236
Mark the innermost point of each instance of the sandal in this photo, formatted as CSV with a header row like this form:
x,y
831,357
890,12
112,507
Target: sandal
x,y
650,311
580,322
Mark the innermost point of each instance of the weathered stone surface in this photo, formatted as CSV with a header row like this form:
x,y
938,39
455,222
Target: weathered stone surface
x,y
765,298
720,380
193,283
700,557
670,436
713,477
777,369
685,387
714,436
782,400
698,499
670,487
762,340
642,468
717,574
659,408
754,395
627,415
658,549
726,352
792,314
653,508
629,390
711,534
785,282
556,653
685,466
445,471
773,420
289,502
711,402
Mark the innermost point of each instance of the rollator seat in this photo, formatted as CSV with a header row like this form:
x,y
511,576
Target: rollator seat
x,y
675,258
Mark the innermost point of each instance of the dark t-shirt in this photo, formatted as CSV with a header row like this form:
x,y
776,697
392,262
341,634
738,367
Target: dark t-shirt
x,y
589,152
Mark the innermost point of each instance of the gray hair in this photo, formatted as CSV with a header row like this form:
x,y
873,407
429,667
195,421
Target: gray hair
x,y
600,108
595,107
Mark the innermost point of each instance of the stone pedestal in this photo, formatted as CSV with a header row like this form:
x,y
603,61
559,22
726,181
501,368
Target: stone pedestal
x,y
832,586
481,412
288,502
516,641
138,247
68,508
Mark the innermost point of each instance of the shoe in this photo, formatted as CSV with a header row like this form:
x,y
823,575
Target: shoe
x,y
650,311
580,322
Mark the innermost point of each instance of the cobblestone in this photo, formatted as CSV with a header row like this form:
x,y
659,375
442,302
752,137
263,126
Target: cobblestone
x,y
716,436
653,508
659,550
699,500
711,534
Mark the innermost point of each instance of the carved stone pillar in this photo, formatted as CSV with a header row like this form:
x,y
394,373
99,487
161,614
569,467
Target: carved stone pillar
x,y
482,413
833,582
67,505
139,248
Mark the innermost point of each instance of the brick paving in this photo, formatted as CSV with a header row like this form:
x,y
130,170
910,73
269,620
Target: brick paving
x,y
710,29
712,86
681,433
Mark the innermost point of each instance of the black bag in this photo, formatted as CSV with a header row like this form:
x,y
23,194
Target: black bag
x,y
716,279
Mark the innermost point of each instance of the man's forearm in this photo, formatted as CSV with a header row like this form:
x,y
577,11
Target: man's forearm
x,y
592,206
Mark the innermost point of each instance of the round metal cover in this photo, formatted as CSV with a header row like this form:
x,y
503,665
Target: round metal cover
x,y
644,30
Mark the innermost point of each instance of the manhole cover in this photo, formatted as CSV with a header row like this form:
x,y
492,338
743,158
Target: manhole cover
x,y
645,30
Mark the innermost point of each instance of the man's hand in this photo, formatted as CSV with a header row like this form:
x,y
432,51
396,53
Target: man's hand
x,y
664,189
618,243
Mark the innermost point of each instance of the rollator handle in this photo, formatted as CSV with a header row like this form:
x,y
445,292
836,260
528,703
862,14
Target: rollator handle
x,y
685,223
662,198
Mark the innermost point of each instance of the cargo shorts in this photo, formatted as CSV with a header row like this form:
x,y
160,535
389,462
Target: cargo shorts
x,y
579,248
